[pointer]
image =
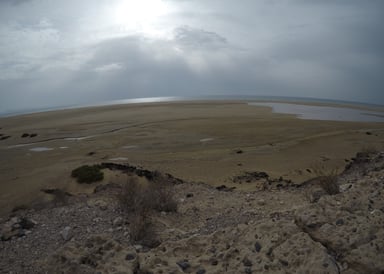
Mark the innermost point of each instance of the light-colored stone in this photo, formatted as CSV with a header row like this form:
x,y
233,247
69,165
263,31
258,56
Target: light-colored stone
x,y
261,202
118,221
66,233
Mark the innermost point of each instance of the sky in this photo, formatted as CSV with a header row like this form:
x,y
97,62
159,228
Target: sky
x,y
61,53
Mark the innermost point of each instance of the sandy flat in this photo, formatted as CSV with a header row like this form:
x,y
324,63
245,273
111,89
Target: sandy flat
x,y
196,141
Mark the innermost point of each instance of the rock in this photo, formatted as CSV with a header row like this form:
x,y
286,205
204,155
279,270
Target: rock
x,y
100,203
138,248
257,247
26,223
247,262
98,254
184,264
261,202
201,271
290,255
7,235
225,188
340,222
97,219
248,270
16,227
13,221
66,233
214,261
118,221
130,256
315,195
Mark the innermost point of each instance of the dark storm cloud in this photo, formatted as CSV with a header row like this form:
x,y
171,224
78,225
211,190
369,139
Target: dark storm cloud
x,y
326,49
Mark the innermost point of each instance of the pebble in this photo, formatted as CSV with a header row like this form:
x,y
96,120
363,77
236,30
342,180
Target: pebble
x,y
261,202
130,257
97,219
247,262
66,233
138,248
340,222
118,221
257,247
214,262
184,264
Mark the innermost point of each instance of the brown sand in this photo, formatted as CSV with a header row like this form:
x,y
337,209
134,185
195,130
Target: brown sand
x,y
196,141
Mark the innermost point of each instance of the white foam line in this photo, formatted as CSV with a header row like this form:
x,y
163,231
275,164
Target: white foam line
x,y
78,138
41,149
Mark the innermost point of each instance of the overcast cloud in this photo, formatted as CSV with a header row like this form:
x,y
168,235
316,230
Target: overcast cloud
x,y
56,53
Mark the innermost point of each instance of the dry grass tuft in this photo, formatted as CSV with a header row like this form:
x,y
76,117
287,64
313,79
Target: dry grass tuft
x,y
158,196
139,200
327,180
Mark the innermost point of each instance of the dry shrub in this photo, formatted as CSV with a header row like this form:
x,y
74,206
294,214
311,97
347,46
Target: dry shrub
x,y
131,196
157,196
142,230
327,180
162,196
138,200
329,184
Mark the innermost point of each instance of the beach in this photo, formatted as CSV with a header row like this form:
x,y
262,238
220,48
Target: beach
x,y
191,187
202,141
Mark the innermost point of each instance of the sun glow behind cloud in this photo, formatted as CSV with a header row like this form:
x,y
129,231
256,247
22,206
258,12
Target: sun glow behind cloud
x,y
139,15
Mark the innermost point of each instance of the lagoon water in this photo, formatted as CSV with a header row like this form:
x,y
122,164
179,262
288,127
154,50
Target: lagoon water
x,y
309,112
290,107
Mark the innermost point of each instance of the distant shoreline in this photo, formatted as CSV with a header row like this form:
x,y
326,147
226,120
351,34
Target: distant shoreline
x,y
176,99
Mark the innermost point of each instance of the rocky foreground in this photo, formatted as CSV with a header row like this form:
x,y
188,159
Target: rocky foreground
x,y
278,228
